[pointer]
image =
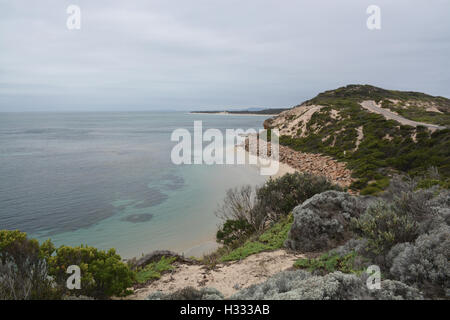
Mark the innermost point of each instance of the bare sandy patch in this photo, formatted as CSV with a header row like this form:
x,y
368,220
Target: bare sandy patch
x,y
227,277
292,120
433,109
360,137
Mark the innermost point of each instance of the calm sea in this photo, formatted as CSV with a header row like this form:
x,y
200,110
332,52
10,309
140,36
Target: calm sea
x,y
106,179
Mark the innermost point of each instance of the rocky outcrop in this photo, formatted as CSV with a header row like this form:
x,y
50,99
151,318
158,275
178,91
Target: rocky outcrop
x,y
313,163
322,222
317,164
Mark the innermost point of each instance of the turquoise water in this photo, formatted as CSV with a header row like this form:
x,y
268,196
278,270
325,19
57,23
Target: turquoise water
x,y
106,179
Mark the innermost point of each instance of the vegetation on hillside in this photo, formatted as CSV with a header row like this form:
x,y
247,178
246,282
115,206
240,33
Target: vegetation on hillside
x,y
154,270
259,219
405,232
30,270
271,239
329,262
387,147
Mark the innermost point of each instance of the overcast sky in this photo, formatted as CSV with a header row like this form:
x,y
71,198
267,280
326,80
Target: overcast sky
x,y
209,54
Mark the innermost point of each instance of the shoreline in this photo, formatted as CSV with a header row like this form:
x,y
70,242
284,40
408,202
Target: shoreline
x,y
209,245
233,114
312,163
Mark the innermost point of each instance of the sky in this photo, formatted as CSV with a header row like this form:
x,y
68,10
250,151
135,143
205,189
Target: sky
x,y
212,54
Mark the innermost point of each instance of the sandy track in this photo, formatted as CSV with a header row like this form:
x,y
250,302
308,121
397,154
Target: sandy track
x,y
227,278
373,107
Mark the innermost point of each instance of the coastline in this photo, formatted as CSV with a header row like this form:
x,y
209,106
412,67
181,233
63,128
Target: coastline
x,y
209,245
233,114
290,162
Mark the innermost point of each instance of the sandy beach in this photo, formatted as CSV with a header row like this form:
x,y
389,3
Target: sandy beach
x,y
210,245
228,278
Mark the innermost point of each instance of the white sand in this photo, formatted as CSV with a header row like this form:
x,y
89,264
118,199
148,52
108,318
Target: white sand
x,y
210,245
227,277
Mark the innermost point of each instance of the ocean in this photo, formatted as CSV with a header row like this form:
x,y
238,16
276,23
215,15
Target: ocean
x,y
107,180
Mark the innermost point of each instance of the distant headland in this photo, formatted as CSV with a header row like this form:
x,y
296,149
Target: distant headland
x,y
250,111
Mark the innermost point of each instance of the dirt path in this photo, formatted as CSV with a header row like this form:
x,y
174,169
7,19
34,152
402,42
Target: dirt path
x,y
373,107
227,278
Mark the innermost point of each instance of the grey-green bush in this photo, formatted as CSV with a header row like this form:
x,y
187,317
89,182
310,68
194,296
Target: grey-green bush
x,y
424,263
384,226
277,197
323,221
188,293
302,285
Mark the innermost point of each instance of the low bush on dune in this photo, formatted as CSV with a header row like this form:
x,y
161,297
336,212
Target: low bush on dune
x,y
103,274
384,226
30,270
323,221
329,262
302,285
425,262
248,211
277,197
233,231
154,270
271,239
407,234
24,272
188,293
404,213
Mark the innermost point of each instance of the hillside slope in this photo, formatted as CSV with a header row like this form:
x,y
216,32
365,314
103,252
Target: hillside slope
x,y
377,132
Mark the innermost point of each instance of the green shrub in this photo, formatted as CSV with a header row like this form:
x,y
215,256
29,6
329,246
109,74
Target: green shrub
x,y
23,268
154,270
272,239
247,211
328,263
370,190
234,230
103,274
8,237
279,196
384,226
247,249
428,183
238,206
188,293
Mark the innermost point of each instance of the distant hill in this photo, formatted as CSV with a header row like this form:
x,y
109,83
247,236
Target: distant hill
x,y
377,132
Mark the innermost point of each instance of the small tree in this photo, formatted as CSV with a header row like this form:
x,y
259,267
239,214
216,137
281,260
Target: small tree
x,y
239,205
248,210
23,268
279,196
103,274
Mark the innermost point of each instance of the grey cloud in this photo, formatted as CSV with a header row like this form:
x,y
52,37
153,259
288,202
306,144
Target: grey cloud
x,y
167,54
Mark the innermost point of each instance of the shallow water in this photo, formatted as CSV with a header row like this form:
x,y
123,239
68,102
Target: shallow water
x,y
106,179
